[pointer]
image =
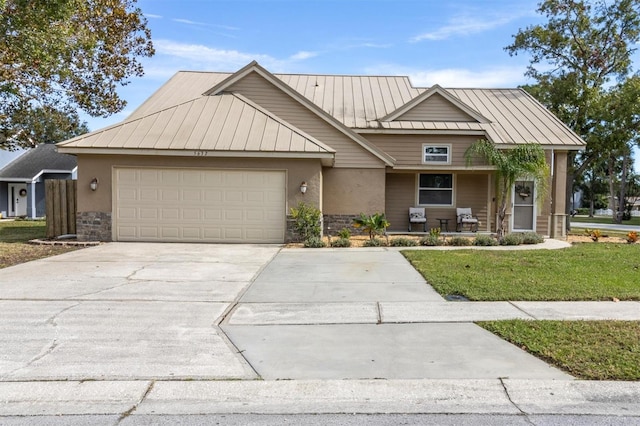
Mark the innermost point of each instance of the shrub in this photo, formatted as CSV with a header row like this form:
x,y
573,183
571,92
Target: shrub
x,y
512,240
314,242
374,242
485,240
341,242
306,221
431,240
532,238
344,233
403,242
459,241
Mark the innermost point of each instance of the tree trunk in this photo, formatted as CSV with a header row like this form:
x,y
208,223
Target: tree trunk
x,y
612,191
623,185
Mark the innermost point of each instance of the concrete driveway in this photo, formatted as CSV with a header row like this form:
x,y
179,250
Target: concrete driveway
x,y
201,312
126,311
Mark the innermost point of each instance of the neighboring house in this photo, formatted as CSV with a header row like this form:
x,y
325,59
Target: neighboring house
x,y
22,191
222,157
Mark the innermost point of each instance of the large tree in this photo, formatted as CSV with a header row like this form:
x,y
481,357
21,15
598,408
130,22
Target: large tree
x,y
58,56
581,48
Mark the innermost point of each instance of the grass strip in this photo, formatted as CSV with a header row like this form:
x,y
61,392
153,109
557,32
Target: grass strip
x,y
592,350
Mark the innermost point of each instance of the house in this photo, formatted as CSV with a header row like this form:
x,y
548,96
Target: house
x,y
22,191
222,157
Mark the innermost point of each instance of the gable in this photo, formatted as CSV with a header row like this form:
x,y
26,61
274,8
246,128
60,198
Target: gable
x,y
349,153
436,108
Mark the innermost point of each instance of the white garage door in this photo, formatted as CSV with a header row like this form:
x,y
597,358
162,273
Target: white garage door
x,y
199,205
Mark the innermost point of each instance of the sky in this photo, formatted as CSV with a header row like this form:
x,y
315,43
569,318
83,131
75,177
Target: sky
x,y
453,43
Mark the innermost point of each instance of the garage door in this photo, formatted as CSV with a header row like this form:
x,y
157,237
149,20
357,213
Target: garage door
x,y
199,205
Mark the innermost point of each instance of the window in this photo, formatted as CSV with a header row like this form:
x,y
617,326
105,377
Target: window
x,y
436,154
435,189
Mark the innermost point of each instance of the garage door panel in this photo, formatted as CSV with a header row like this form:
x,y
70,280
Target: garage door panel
x,y
199,205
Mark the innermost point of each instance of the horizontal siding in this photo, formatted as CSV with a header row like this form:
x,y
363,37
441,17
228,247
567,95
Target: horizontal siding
x,y
470,191
435,108
407,149
348,152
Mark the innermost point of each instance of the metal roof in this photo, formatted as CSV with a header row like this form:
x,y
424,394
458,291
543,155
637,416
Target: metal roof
x,y
181,115
362,102
43,157
227,122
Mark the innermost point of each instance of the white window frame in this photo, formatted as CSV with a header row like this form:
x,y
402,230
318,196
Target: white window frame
x,y
446,156
419,188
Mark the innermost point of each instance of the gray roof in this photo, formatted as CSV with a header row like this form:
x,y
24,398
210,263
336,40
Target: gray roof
x,y
44,157
361,103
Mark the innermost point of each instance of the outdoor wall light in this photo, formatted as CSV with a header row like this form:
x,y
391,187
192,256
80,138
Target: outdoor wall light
x,y
303,187
94,184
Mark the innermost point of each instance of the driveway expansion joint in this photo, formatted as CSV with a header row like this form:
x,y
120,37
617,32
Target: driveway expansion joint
x,y
522,310
135,406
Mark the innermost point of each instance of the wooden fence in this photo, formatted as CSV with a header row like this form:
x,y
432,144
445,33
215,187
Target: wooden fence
x,y
60,196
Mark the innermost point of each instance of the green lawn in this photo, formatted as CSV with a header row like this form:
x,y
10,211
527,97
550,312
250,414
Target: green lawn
x,y
592,350
635,221
588,271
14,247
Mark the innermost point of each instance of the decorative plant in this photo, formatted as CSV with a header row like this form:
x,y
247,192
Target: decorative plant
x,y
594,234
344,233
306,221
632,237
524,191
375,224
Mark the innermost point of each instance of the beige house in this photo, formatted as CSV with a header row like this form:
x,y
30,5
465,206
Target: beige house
x,y
220,157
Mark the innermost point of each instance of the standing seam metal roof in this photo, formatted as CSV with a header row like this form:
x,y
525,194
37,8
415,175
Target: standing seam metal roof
x,y
359,103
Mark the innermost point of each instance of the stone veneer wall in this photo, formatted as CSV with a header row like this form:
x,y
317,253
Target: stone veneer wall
x,y
93,226
333,223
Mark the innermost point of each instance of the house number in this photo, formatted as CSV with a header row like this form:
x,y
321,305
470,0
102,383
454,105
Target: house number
x,y
200,153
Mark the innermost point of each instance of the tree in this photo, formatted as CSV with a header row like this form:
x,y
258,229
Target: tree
x,y
574,55
522,161
57,56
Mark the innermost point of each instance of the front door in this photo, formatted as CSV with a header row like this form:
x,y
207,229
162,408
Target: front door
x,y
17,199
524,206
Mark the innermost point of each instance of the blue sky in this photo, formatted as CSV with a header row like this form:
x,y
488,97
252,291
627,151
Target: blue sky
x,y
454,43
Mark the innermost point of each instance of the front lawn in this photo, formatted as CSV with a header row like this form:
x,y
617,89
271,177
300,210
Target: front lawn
x,y
592,350
14,247
587,271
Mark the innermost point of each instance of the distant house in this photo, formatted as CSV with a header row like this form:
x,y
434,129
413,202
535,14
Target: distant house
x,y
22,180
222,157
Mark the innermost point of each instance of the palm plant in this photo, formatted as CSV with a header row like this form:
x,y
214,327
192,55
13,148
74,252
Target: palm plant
x,y
375,224
523,161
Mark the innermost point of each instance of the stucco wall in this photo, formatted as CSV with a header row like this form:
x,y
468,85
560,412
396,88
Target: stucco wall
x,y
101,167
353,191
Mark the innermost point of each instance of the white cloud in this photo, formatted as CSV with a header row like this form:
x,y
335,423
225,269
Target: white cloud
x,y
172,55
187,21
474,23
303,55
151,15
497,77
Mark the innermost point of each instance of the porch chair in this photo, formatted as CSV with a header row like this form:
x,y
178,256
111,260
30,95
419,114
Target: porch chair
x,y
417,215
464,216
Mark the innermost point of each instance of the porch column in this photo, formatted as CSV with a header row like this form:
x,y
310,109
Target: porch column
x,y
558,196
33,200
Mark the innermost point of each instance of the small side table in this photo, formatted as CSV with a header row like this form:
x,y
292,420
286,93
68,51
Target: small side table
x,y
444,224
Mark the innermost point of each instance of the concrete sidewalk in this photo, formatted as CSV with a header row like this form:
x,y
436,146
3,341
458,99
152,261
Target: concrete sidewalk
x,y
124,331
